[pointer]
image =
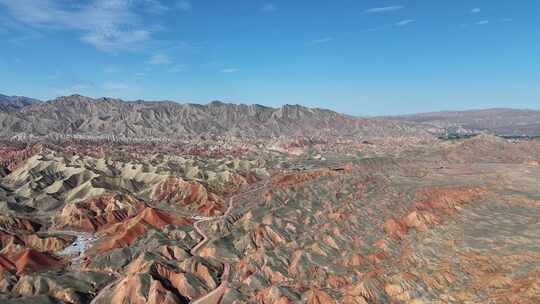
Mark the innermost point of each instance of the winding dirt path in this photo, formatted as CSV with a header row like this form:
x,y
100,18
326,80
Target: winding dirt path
x,y
215,296
205,239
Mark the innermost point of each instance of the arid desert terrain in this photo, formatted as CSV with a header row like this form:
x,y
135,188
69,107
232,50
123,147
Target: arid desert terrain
x,y
106,201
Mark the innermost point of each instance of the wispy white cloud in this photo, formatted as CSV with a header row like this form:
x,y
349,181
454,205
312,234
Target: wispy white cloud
x,y
230,70
269,7
405,22
322,40
482,22
114,39
160,59
108,25
155,6
183,5
19,32
476,10
384,9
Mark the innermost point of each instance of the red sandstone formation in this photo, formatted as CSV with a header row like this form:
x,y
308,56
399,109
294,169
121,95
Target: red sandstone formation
x,y
31,260
448,199
6,265
11,158
341,235
98,213
188,194
18,234
125,233
436,201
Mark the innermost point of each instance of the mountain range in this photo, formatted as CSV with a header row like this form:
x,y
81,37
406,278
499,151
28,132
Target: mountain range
x,y
78,115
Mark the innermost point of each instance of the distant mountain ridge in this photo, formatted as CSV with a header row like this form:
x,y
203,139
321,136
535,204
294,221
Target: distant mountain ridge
x,y
86,117
15,102
499,121
80,115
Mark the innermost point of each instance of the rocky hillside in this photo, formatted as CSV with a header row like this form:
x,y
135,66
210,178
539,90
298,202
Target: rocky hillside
x,y
11,103
83,117
447,222
509,122
79,115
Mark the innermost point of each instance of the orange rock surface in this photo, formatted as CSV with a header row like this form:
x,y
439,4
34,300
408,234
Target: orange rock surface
x,y
34,261
125,233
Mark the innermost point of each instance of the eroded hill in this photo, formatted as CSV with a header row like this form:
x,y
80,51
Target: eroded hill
x,y
379,222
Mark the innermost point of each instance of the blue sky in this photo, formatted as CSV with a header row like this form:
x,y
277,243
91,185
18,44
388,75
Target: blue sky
x,y
359,57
